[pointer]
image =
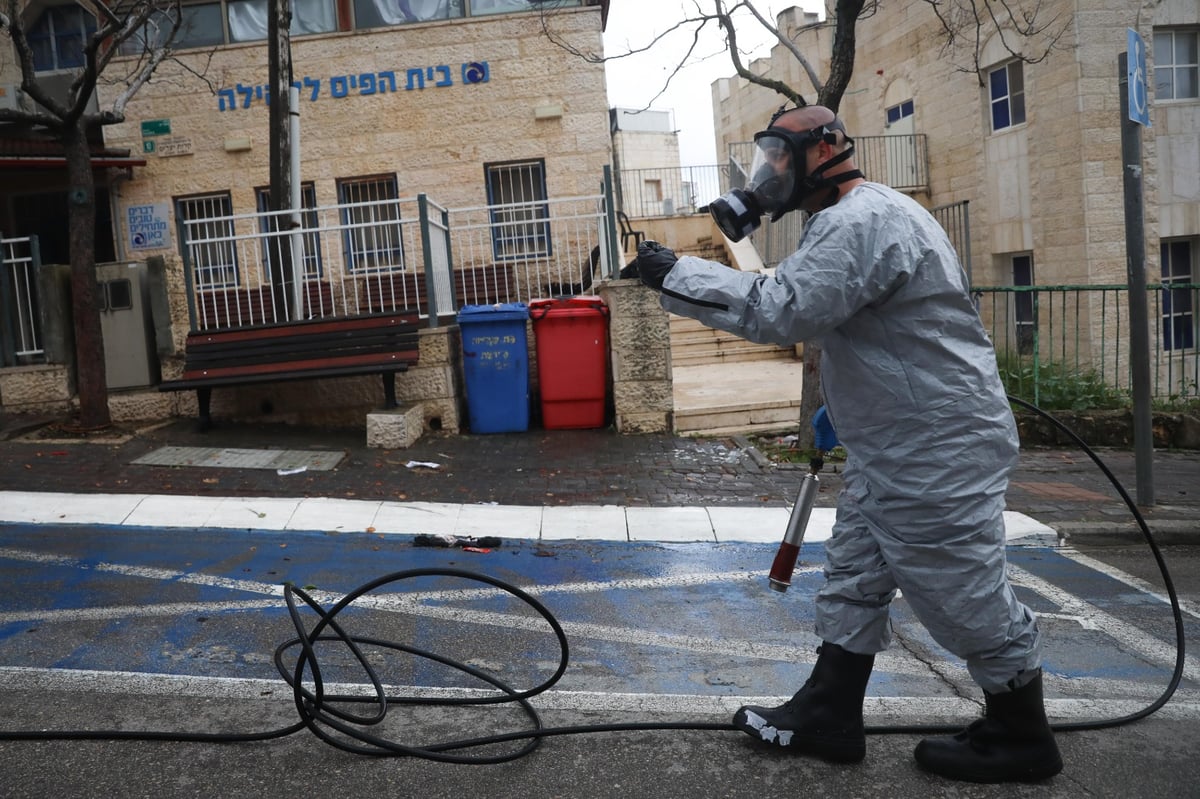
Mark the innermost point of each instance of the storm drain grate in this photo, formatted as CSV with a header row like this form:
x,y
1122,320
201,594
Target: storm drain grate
x,y
224,458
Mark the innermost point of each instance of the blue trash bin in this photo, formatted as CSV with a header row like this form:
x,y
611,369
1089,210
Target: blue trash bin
x,y
496,366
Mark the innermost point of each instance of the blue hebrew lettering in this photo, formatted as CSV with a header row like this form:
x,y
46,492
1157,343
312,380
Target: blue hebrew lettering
x,y
475,72
366,83
315,83
338,86
419,75
387,78
445,72
221,94
248,91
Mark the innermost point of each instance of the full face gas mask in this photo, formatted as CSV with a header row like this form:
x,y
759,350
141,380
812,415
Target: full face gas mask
x,y
779,181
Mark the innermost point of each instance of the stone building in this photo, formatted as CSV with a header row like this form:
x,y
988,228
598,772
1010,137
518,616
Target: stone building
x,y
1034,148
473,104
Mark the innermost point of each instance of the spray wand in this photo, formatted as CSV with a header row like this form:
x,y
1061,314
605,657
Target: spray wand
x,y
825,439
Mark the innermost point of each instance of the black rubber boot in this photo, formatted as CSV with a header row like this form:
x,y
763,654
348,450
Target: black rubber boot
x,y
825,717
1011,743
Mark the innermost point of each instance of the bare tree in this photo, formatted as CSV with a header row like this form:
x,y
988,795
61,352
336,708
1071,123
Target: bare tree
x,y
143,29
1028,29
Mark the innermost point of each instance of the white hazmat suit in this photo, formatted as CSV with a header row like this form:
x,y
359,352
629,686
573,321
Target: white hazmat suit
x,y
911,385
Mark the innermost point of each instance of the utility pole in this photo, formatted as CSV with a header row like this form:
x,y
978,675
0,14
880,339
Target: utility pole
x,y
1135,112
286,284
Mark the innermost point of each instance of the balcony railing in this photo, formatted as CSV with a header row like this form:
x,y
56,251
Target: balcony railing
x,y
669,191
383,255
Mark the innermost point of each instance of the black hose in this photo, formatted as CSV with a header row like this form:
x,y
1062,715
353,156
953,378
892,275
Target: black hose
x,y
321,713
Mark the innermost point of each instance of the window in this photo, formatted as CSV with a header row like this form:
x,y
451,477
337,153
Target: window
x,y
248,18
1176,68
1178,304
899,112
1006,88
211,24
208,239
1023,307
311,238
481,7
517,194
370,213
381,13
654,190
59,36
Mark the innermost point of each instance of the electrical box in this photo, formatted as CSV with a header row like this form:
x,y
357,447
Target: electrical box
x,y
126,322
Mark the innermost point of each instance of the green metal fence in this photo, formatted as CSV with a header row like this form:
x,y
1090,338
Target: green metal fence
x,y
1054,342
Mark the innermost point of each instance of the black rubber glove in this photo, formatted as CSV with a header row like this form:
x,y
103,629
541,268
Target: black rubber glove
x,y
654,261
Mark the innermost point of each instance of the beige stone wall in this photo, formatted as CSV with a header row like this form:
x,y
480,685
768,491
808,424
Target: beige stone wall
x,y
435,139
640,358
1053,186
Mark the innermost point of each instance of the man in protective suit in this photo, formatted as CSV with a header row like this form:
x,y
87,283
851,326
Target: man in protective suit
x,y
910,382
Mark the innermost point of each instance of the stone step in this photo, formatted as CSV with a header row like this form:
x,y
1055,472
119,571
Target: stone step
x,y
738,397
716,356
693,344
749,417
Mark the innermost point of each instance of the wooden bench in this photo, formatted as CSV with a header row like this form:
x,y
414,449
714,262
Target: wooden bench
x,y
375,344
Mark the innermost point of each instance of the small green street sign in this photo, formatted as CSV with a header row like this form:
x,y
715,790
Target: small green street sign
x,y
156,127
148,145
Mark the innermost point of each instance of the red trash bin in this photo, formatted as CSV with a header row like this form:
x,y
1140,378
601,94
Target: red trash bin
x,y
571,336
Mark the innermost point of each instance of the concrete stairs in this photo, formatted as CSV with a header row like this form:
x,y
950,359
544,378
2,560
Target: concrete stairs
x,y
725,385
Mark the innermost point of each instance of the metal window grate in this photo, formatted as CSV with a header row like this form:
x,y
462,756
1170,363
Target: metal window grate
x,y
271,222
209,232
519,218
372,234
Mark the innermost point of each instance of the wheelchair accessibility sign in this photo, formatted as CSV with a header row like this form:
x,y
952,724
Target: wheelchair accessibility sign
x,y
1135,72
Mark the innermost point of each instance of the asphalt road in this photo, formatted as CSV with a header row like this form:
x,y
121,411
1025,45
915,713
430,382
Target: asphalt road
x,y
104,628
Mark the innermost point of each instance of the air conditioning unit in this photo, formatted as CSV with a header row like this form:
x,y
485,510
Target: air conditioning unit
x,y
10,96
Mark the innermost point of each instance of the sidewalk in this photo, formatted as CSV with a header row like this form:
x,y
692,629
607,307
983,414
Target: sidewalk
x,y
557,469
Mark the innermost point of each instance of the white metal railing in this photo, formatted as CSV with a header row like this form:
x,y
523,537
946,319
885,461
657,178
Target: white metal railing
x,y
384,255
20,320
521,251
669,191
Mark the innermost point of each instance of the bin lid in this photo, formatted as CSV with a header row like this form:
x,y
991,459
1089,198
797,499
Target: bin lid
x,y
582,304
500,312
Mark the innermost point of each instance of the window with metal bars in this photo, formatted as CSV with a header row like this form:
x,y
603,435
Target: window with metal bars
x,y
371,231
519,213
1178,308
311,238
208,239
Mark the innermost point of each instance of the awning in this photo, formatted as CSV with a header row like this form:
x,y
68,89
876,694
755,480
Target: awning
x,y
30,152
98,162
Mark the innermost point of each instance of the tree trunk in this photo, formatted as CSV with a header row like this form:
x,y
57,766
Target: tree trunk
x,y
90,377
810,393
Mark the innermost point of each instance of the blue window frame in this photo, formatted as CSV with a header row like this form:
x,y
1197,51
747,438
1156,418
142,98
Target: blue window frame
x,y
1006,90
519,213
371,231
207,223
